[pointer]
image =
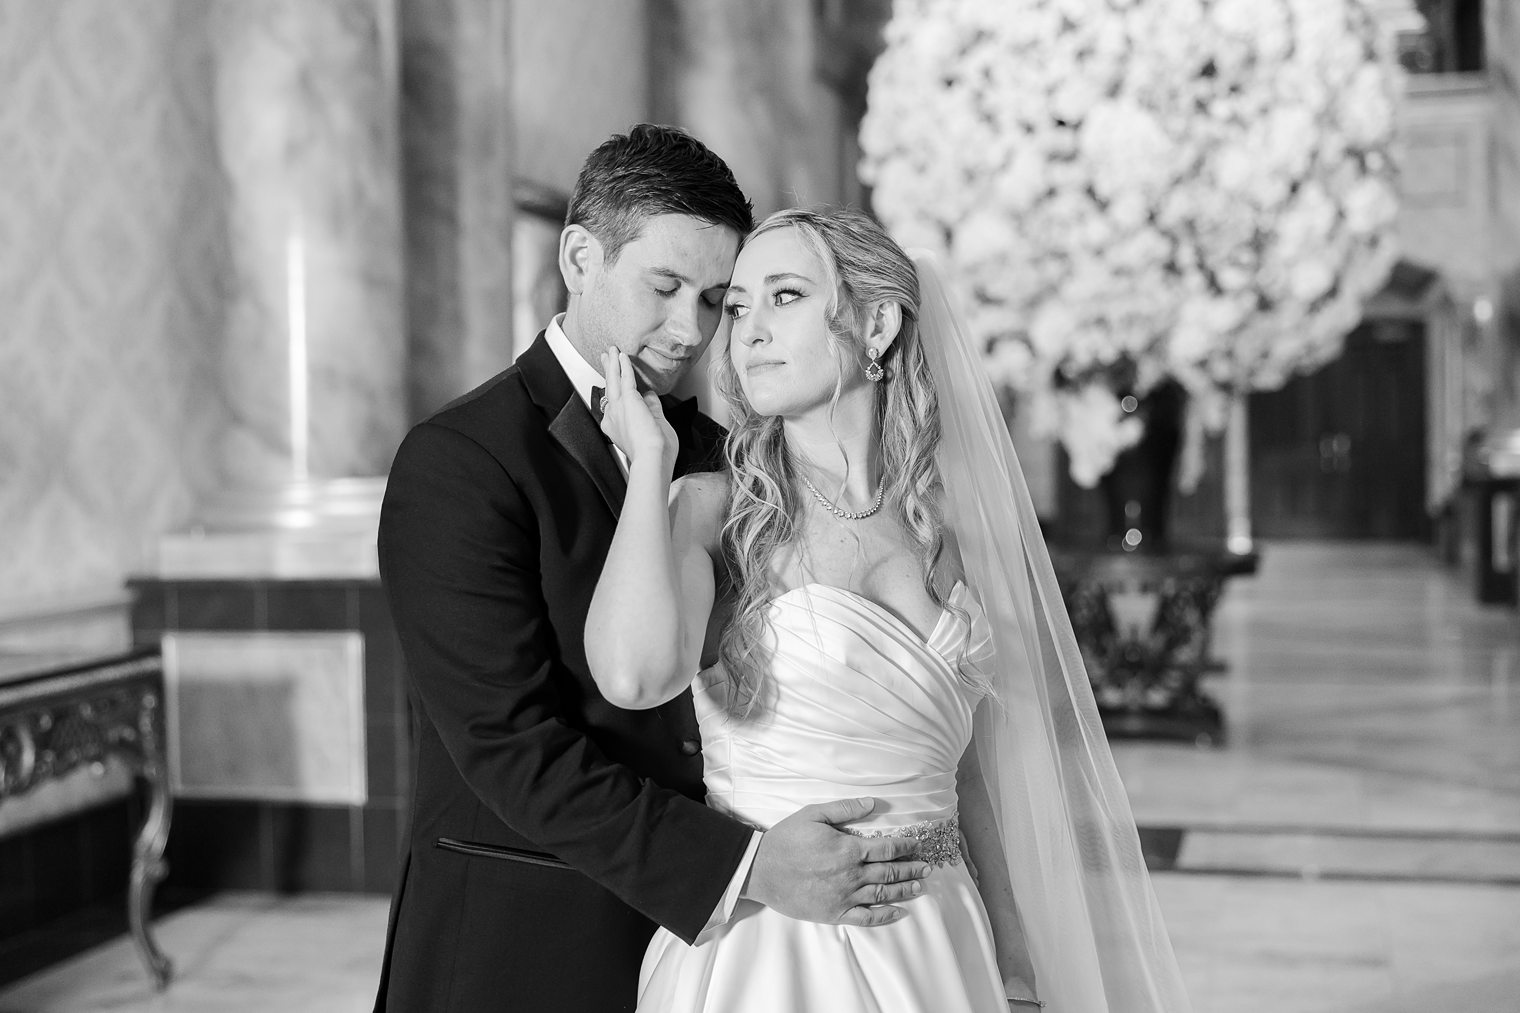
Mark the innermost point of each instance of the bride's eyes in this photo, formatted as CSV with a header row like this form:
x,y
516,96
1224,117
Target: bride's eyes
x,y
780,297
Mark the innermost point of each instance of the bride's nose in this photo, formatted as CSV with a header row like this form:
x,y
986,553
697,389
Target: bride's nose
x,y
751,330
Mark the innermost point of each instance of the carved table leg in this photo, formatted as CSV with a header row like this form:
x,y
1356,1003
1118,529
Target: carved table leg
x,y
148,865
1146,681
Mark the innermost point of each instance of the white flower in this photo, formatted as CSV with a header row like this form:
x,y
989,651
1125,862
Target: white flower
x,y
1366,107
1009,362
1310,279
1094,429
1291,140
1370,206
1196,190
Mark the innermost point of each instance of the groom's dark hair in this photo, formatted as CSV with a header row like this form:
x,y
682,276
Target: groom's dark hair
x,y
654,170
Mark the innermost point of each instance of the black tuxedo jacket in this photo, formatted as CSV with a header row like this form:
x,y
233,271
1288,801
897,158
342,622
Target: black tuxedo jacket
x,y
550,830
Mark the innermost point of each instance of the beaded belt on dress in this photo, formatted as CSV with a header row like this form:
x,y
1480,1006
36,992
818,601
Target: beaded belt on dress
x,y
939,841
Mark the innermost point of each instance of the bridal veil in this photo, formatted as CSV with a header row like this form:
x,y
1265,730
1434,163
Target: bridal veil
x,y
1094,928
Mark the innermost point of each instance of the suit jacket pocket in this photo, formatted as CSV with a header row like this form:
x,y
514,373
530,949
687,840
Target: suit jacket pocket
x,y
475,850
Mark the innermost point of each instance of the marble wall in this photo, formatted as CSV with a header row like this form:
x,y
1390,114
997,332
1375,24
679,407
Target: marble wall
x,y
1445,188
744,77
112,268
131,234
1503,34
580,73
1503,27
313,356
500,98
457,174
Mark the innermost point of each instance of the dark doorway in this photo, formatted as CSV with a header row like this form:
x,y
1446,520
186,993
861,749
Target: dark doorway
x,y
1450,41
1340,453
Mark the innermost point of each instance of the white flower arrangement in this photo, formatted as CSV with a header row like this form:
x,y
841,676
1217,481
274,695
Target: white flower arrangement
x,y
1132,190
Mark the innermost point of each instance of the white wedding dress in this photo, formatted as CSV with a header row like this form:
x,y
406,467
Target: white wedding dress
x,y
858,704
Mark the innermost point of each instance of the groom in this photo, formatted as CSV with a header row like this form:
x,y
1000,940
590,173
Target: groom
x,y
550,830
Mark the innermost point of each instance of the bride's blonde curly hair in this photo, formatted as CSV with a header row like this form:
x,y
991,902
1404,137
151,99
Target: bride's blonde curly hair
x,y
863,266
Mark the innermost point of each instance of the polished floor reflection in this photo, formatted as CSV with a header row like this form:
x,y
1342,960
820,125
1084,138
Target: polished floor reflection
x,y
1355,848
1356,845
236,953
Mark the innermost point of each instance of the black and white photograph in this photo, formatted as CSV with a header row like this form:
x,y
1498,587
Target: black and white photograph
x,y
759,506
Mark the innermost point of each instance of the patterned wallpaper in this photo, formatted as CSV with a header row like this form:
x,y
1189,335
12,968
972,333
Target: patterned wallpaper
x,y
111,252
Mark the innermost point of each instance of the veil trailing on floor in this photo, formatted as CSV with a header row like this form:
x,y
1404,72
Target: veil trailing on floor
x,y
1093,926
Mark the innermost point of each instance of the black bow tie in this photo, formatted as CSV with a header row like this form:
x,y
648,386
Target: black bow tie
x,y
680,414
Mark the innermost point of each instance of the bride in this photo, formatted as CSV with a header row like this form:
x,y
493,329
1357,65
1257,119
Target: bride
x,y
862,605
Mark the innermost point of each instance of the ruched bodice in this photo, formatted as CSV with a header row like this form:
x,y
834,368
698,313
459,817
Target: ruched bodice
x,y
856,704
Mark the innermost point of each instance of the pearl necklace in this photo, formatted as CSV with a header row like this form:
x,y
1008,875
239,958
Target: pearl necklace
x,y
840,512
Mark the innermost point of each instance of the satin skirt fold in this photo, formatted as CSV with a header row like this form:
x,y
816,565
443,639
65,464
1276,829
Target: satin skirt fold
x,y
938,959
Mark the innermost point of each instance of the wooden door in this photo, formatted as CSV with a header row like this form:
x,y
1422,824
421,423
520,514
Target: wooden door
x,y
1340,453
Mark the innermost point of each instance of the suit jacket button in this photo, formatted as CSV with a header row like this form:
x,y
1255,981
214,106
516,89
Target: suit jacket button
x,y
690,747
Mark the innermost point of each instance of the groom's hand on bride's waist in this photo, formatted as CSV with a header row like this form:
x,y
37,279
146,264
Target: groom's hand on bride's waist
x,y
807,868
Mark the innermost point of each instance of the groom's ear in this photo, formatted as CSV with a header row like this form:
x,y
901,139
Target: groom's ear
x,y
580,257
883,324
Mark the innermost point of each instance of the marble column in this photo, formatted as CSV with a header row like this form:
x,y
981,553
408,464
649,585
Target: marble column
x,y
743,78
1237,478
313,347
457,174
1502,34
1501,449
314,358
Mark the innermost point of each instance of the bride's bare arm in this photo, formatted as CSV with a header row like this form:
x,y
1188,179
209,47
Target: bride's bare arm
x,y
989,867
649,614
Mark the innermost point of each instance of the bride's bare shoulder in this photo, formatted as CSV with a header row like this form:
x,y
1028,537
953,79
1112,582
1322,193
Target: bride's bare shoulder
x,y
702,487
701,499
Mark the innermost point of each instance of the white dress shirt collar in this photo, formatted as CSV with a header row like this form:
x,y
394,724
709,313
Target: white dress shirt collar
x,y
583,376
581,373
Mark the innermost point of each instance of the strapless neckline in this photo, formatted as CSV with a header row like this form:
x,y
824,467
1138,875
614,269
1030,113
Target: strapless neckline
x,y
877,608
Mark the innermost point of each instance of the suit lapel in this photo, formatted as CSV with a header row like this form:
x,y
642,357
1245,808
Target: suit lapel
x,y
571,425
577,432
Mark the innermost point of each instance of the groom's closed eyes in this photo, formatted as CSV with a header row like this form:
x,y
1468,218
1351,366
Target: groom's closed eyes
x,y
669,283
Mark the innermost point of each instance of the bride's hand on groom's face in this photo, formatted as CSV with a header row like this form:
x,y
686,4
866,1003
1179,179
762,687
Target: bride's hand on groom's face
x,y
634,421
808,869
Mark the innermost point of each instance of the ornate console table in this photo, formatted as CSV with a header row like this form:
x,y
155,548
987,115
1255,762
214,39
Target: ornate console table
x,y
1143,622
66,718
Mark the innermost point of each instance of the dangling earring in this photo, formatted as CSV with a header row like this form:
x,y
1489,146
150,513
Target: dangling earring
x,y
874,372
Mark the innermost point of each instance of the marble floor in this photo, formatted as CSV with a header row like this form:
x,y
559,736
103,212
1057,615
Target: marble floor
x,y
1354,848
